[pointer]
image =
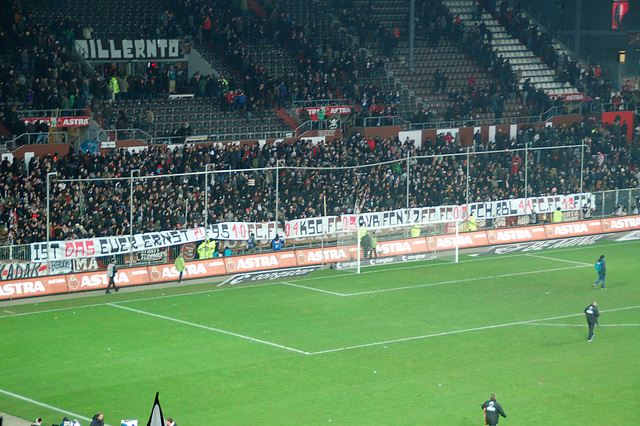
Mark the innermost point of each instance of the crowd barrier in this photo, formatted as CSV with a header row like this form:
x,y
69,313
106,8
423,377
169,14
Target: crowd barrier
x,y
220,266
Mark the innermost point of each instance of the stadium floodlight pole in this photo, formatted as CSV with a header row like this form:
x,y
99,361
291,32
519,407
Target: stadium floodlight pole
x,y
277,192
526,176
467,200
131,172
206,198
581,170
49,174
408,174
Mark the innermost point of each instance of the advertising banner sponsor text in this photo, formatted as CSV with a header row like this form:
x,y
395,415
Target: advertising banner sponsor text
x,y
128,49
544,245
60,121
278,274
573,229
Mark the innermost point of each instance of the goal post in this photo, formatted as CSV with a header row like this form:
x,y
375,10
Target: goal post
x,y
377,245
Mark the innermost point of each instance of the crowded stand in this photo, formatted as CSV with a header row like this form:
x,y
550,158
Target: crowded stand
x,y
40,72
170,195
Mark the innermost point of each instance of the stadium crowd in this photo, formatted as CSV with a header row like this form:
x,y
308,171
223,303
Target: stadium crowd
x,y
169,189
42,74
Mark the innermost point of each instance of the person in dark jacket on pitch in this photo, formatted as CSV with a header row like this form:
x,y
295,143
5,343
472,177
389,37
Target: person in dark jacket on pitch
x,y
601,267
492,411
592,314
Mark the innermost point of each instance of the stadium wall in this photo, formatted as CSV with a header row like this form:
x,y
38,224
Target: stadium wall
x,y
136,276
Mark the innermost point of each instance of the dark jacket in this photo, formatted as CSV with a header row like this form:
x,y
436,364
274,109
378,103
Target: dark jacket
x,y
592,314
96,421
603,268
492,411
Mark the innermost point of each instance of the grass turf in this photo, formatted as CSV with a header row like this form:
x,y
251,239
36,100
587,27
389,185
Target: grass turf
x,y
418,343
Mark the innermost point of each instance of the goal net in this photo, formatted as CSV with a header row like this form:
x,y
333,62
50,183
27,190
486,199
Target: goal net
x,y
369,246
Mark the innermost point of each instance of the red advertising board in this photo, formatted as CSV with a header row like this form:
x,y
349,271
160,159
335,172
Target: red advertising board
x,y
60,121
516,235
323,255
573,229
329,110
616,224
82,281
99,280
36,286
465,240
197,269
260,262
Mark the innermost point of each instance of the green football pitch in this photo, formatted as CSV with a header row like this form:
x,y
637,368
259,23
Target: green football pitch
x,y
413,343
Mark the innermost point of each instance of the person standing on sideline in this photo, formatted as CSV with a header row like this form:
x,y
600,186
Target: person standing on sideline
x,y
592,314
601,267
180,266
473,223
169,421
492,411
276,243
111,273
557,216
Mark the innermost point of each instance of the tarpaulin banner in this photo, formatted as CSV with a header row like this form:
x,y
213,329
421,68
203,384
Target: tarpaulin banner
x,y
124,49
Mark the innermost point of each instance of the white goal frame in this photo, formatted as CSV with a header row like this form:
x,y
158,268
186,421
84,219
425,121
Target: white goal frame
x,y
407,227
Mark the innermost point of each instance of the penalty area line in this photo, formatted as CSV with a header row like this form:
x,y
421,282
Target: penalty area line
x,y
43,405
333,293
557,260
205,327
581,325
465,330
465,280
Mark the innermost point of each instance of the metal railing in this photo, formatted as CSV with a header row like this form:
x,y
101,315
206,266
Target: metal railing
x,y
37,138
475,122
313,103
220,137
391,120
48,113
611,203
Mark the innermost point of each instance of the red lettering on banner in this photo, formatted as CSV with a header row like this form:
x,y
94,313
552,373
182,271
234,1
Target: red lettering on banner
x,y
82,248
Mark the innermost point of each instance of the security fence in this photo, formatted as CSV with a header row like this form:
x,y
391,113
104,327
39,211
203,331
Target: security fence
x,y
286,190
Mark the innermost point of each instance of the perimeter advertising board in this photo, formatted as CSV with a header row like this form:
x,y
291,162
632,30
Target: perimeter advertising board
x,y
389,251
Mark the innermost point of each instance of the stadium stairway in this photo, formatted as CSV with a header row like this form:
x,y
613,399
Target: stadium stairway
x,y
286,118
522,60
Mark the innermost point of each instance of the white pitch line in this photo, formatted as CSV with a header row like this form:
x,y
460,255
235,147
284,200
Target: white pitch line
x,y
43,405
333,293
582,325
463,280
465,330
217,330
557,260
140,299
